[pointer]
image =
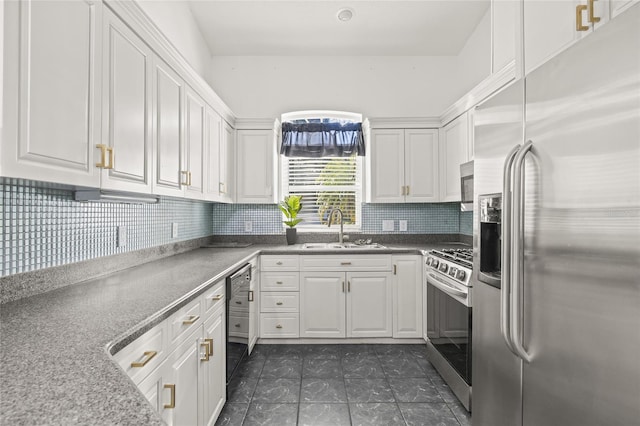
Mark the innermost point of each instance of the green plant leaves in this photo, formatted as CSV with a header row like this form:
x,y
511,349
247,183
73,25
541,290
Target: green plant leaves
x,y
290,208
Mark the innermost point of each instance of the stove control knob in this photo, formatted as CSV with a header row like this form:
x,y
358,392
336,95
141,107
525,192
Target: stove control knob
x,y
435,262
461,275
429,261
443,267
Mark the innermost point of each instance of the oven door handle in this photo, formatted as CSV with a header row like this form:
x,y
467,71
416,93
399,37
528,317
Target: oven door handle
x,y
446,287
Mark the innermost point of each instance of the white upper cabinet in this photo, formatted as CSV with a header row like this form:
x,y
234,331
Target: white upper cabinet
x,y
127,109
52,68
218,145
403,166
194,122
504,18
254,167
454,150
168,94
552,26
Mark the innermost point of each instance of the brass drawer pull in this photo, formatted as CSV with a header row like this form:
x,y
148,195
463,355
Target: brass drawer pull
x,y
217,297
186,181
191,320
238,302
103,154
278,326
250,296
237,325
279,282
279,303
110,151
205,357
171,404
210,343
148,356
278,263
592,17
345,263
579,9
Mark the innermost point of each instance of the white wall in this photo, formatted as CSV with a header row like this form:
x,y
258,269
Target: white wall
x,y
267,86
175,20
474,60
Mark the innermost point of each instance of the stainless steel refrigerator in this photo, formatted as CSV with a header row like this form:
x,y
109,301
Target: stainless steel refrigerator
x,y
556,274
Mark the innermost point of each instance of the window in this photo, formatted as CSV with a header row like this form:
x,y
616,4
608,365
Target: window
x,y
324,183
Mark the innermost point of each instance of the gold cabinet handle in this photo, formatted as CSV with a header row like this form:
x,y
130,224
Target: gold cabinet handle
x,y
205,357
345,263
237,326
278,263
279,282
189,176
210,344
191,320
579,9
110,151
279,303
250,296
343,286
172,403
278,326
238,302
186,178
148,356
408,189
217,297
103,156
348,286
395,270
222,188
592,18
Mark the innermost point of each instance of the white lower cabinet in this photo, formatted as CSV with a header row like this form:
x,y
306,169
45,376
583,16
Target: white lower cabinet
x,y
186,382
407,296
345,304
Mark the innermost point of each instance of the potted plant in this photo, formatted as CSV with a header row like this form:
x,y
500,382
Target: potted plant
x,y
290,208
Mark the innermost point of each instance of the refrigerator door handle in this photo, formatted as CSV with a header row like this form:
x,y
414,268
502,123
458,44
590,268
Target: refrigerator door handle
x,y
505,261
517,252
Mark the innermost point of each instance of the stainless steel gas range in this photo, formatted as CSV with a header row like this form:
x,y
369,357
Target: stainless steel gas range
x,y
449,311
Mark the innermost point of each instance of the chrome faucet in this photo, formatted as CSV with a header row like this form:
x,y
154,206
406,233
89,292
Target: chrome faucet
x,y
331,214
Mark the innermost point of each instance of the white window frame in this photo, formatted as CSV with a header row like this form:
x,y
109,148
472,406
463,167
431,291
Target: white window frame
x,y
360,172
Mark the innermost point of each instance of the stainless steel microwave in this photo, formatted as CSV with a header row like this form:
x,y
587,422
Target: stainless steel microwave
x,y
466,186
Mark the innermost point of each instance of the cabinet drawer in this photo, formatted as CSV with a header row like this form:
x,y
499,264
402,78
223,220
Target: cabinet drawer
x,y
274,301
280,281
240,302
279,325
144,354
184,321
366,263
213,298
279,263
239,324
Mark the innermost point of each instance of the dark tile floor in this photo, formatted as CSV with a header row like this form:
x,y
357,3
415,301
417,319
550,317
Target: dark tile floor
x,y
334,385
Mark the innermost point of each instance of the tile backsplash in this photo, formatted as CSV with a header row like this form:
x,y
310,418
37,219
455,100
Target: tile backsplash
x,y
44,227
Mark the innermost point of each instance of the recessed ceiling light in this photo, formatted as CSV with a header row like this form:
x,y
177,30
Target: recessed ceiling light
x,y
345,14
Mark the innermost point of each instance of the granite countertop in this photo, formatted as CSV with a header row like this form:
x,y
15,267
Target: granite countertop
x,y
55,365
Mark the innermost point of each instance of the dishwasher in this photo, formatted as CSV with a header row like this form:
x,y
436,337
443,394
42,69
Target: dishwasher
x,y
239,297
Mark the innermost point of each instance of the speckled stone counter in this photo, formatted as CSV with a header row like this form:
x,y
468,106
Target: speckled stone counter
x,y
55,365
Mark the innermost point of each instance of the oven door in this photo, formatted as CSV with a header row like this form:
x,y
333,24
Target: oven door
x,y
449,323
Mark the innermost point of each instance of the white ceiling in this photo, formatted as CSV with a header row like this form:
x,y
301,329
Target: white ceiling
x,y
311,28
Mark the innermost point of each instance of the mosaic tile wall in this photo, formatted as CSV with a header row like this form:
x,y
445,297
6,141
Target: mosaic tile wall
x,y
466,223
45,227
438,218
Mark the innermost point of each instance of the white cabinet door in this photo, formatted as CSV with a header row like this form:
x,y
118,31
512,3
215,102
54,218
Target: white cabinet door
x,y
619,6
255,157
453,152
369,304
168,92
159,396
213,123
421,165
127,108
551,26
407,296
213,392
194,144
322,304
504,21
386,166
52,91
184,369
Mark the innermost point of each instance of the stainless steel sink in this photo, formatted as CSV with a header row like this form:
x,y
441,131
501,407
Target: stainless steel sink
x,y
338,246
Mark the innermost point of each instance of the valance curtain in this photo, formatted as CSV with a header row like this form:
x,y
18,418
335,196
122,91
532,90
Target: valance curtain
x,y
322,140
